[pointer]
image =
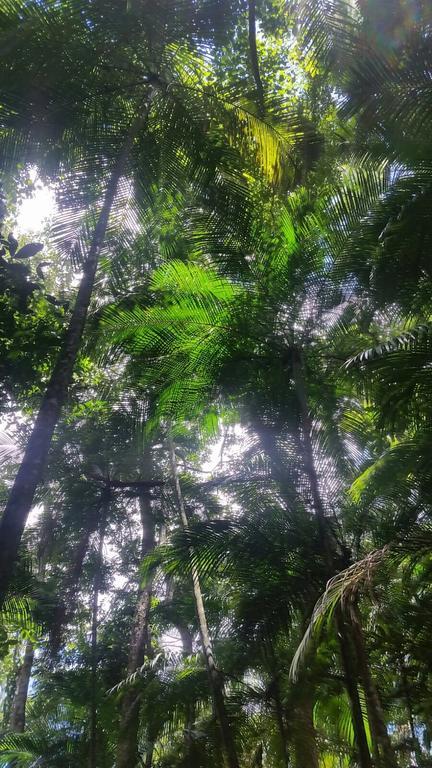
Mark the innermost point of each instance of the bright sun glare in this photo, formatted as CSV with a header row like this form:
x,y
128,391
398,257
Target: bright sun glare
x,y
36,211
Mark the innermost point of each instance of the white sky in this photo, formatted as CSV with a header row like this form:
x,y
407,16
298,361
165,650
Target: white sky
x,y
37,210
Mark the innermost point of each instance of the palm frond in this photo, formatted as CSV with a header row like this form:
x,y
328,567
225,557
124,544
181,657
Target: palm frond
x,y
9,448
406,339
341,588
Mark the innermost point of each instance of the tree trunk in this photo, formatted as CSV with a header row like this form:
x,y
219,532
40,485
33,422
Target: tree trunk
x,y
253,53
305,747
349,663
387,757
408,701
329,545
68,591
140,645
93,696
17,715
19,702
10,687
97,582
30,472
275,693
258,757
186,639
281,724
216,684
327,539
190,745
190,707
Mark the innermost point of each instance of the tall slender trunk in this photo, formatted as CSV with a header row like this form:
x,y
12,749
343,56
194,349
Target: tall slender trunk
x,y
253,54
17,715
408,701
186,639
258,758
305,746
327,540
140,645
329,544
10,685
281,724
275,692
349,663
148,762
68,591
19,703
216,684
190,745
31,470
97,582
93,695
386,755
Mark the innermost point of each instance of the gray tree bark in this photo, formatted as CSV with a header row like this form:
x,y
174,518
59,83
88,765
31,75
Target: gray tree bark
x,y
305,746
385,753
216,684
97,583
17,714
30,472
329,545
140,646
253,54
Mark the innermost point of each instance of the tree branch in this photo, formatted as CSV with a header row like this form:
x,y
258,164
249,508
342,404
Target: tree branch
x,y
253,53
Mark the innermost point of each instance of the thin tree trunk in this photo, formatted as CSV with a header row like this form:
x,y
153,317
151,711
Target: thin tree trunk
x,y
191,752
30,472
186,640
10,685
408,701
22,682
274,690
93,696
329,544
140,646
97,581
380,734
149,759
305,747
17,715
253,53
258,757
308,457
216,685
67,603
349,663
281,724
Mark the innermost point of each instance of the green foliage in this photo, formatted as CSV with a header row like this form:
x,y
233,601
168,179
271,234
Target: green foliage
x,y
263,300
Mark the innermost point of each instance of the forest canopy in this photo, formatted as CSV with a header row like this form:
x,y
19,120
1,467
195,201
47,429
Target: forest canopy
x,y
216,383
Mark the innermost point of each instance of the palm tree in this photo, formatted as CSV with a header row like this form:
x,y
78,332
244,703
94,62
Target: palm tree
x,y
140,648
215,680
278,313
194,323
161,95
